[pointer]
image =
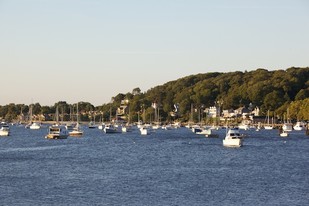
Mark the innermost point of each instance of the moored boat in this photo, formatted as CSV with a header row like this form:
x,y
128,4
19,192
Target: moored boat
x,y
284,134
76,131
288,127
92,125
144,131
233,138
299,126
269,126
110,128
57,132
35,125
4,129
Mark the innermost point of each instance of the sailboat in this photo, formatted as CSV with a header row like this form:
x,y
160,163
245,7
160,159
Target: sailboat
x,y
76,132
101,124
31,124
268,126
299,126
29,118
287,126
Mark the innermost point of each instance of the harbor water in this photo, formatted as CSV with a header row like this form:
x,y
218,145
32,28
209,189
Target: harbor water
x,y
167,167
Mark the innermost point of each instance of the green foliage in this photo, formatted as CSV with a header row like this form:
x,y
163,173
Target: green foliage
x,y
299,109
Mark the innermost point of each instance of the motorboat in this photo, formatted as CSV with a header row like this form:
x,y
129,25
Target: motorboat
x,y
233,138
284,134
196,129
110,128
4,129
57,132
204,131
144,131
35,125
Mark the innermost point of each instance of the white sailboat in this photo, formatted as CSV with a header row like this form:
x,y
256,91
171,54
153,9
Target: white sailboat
x,y
299,126
76,131
269,126
29,118
101,124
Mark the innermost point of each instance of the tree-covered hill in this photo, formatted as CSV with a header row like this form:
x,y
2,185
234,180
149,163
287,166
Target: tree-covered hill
x,y
269,90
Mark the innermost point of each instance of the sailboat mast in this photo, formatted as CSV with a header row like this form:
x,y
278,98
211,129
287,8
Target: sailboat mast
x,y
77,120
57,115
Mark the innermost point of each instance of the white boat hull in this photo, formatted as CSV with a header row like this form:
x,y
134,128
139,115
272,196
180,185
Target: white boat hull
x,y
4,129
144,131
232,143
205,132
4,133
268,127
233,138
284,134
35,126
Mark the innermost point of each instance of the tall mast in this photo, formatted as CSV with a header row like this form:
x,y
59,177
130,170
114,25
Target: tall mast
x,y
77,114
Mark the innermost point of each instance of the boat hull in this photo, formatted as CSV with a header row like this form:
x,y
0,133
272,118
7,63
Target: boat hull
x,y
144,131
4,133
76,134
56,136
232,143
284,134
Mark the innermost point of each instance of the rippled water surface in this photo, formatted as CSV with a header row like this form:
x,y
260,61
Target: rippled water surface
x,y
174,167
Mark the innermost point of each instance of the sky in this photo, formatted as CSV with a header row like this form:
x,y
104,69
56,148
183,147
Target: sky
x,y
92,50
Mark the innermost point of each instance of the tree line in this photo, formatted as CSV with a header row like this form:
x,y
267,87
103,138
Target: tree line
x,y
276,91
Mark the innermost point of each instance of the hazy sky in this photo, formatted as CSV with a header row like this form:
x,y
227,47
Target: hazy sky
x,y
91,50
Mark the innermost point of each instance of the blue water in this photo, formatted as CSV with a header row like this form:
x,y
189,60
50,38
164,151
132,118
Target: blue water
x,y
174,167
